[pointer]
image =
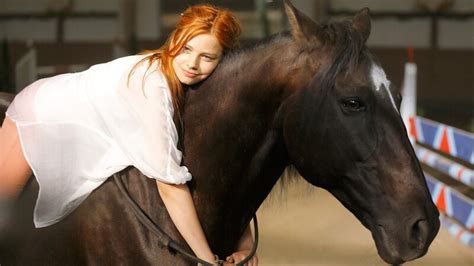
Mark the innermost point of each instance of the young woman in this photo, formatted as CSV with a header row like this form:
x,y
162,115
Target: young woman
x,y
75,130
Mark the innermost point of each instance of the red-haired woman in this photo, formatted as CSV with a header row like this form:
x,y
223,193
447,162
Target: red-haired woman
x,y
75,130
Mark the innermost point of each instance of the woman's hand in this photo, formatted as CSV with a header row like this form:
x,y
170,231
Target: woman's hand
x,y
180,206
244,249
238,256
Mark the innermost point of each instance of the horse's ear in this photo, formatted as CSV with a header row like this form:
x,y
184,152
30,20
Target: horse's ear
x,y
302,27
361,23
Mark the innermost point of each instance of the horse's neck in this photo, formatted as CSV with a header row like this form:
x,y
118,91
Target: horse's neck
x,y
233,142
236,112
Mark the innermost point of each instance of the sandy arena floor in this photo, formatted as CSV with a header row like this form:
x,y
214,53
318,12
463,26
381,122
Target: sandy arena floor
x,y
307,226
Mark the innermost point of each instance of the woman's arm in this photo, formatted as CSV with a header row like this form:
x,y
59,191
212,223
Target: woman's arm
x,y
246,241
180,206
244,249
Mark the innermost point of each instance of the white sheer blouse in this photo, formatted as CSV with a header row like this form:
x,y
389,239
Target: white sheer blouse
x,y
78,129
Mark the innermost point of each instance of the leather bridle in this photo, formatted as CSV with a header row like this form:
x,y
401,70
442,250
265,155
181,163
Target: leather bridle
x,y
165,240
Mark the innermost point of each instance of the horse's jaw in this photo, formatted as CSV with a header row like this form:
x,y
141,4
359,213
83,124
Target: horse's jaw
x,y
402,219
394,245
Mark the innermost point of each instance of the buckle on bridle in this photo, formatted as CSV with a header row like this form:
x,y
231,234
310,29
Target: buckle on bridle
x,y
218,261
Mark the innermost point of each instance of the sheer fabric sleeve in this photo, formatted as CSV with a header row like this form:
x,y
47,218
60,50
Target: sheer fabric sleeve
x,y
147,134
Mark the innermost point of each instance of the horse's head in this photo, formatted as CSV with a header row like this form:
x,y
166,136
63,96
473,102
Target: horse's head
x,y
343,132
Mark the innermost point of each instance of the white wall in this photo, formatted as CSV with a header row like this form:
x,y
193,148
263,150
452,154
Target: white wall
x,y
387,32
147,19
76,29
37,30
397,5
391,32
456,34
9,6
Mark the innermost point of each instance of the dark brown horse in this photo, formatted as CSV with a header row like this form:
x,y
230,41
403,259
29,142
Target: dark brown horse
x,y
316,100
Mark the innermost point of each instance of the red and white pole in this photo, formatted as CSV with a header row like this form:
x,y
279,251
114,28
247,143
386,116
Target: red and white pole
x,y
408,106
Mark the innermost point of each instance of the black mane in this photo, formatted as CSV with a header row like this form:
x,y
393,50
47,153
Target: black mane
x,y
349,47
345,42
250,46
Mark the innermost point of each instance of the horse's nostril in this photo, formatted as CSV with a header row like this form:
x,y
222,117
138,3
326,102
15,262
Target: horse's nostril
x,y
418,234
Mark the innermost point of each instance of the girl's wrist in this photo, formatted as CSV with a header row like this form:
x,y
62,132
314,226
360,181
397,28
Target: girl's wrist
x,y
213,260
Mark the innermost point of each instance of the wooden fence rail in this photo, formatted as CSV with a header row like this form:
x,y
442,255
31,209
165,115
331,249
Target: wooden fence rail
x,y
447,157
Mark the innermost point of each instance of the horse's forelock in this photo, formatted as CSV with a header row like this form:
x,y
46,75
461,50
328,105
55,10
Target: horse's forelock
x,y
348,52
348,48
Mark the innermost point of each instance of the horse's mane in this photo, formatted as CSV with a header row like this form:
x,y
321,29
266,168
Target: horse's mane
x,y
349,52
238,56
251,46
347,42
349,48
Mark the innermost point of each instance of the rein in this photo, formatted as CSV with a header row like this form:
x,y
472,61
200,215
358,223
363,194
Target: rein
x,y
167,241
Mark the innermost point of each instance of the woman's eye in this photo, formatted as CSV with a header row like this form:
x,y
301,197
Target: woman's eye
x,y
207,58
353,105
186,49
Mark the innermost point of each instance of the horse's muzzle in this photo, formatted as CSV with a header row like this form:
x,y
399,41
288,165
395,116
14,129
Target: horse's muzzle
x,y
399,243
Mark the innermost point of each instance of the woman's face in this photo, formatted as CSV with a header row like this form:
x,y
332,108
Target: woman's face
x,y
198,58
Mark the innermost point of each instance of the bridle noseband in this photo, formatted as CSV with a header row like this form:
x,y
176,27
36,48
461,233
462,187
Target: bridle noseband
x,y
167,241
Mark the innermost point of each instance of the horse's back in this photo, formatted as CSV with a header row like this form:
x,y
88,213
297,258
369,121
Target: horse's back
x,y
22,244
92,234
5,101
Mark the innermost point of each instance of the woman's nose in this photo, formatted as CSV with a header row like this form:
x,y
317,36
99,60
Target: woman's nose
x,y
193,62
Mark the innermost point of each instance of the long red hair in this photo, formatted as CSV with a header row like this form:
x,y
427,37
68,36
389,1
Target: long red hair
x,y
195,20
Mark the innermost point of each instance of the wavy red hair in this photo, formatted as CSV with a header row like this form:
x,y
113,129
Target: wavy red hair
x,y
195,20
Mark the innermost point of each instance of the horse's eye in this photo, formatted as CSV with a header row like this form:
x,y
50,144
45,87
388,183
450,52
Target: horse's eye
x,y
353,105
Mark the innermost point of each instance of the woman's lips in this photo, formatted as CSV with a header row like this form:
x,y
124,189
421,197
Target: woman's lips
x,y
189,74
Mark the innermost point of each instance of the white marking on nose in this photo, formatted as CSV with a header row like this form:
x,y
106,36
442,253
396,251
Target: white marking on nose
x,y
379,78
